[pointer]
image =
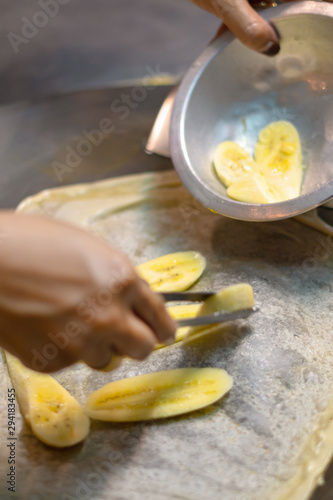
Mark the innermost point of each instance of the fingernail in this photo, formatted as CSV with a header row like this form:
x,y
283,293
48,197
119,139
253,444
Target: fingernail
x,y
276,31
273,46
271,49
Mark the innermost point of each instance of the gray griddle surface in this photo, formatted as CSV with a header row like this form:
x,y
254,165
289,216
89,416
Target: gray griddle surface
x,y
35,135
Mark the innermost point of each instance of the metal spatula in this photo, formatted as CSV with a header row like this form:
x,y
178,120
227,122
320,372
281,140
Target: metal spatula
x,y
217,317
158,141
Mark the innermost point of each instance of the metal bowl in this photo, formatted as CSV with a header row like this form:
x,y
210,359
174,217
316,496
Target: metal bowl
x,y
231,93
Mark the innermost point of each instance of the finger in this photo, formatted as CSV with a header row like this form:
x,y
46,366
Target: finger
x,y
247,25
103,359
219,32
45,356
45,365
150,307
114,363
95,348
134,338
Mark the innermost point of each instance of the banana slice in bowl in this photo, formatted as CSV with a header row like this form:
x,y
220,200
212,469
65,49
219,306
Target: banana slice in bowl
x,y
279,156
275,173
254,188
232,162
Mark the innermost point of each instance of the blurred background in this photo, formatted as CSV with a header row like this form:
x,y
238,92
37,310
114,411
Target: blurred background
x,y
52,46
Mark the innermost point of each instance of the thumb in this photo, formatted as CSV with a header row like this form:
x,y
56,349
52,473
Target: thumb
x,y
247,25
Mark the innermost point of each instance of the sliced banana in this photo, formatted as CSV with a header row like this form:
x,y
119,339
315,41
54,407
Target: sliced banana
x,y
232,162
182,312
276,172
278,141
254,188
173,272
55,417
279,156
158,395
230,299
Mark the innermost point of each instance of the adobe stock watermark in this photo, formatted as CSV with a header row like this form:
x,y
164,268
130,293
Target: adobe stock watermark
x,y
321,254
191,209
88,140
31,27
86,313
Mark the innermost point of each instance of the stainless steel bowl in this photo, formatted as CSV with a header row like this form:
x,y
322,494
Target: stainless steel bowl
x,y
231,93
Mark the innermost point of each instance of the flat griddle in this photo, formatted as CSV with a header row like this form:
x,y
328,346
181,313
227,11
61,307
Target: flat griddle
x,y
184,457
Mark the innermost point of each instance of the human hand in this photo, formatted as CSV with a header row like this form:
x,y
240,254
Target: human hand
x,y
66,295
245,23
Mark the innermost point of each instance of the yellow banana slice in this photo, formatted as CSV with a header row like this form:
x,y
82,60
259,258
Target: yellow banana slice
x,y
173,272
279,156
55,417
232,162
278,138
158,395
229,299
254,188
182,312
276,172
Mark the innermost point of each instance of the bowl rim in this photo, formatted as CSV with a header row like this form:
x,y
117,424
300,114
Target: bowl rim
x,y
199,189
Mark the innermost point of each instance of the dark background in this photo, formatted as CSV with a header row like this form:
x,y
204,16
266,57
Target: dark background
x,y
93,43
